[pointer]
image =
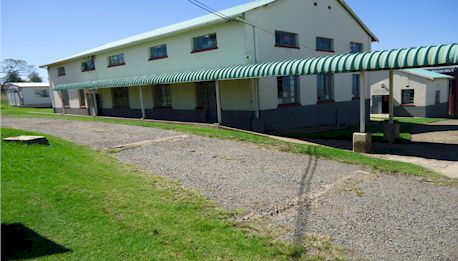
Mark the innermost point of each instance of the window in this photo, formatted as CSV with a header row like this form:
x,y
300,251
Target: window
x,y
120,97
88,65
205,42
437,98
61,71
356,47
162,96
284,39
325,87
42,93
116,60
65,99
158,52
408,96
324,44
355,85
288,89
82,98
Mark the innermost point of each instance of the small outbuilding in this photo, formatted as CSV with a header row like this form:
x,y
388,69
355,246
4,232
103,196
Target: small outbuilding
x,y
416,93
29,94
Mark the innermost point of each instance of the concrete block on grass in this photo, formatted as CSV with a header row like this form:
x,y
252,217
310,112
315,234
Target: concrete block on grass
x,y
362,142
28,139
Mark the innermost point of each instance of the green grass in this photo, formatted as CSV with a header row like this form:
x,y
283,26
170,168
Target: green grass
x,y
387,166
100,209
375,128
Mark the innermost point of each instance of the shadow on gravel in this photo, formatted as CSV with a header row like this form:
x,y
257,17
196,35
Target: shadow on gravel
x,y
303,207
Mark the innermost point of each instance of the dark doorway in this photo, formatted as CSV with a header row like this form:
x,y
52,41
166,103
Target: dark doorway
x,y
206,100
385,104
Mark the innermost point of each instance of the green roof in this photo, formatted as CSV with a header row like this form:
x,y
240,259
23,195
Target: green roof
x,y
427,56
427,74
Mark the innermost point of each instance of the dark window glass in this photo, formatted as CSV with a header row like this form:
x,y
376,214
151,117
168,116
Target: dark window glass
x,y
324,44
356,47
437,99
82,98
355,85
65,98
61,71
159,51
285,39
162,96
120,97
408,96
88,65
325,87
115,60
288,89
205,42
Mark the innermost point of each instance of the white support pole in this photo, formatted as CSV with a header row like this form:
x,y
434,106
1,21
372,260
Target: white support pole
x,y
218,102
141,102
62,100
391,99
255,95
362,102
94,103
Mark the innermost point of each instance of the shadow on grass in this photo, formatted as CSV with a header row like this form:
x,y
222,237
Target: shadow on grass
x,y
21,242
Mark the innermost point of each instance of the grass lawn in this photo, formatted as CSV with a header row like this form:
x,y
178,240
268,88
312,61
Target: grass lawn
x,y
319,151
375,128
84,205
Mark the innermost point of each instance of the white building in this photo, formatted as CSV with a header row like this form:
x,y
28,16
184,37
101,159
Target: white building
x,y
28,94
416,93
260,31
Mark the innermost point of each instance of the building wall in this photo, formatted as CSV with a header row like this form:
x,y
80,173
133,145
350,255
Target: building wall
x,y
31,98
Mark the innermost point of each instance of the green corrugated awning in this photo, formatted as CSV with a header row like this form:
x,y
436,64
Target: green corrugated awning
x,y
428,56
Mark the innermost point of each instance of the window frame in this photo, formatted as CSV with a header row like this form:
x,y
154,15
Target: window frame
x,y
88,68
65,99
158,96
328,82
331,50
196,50
82,97
61,71
411,101
110,64
355,43
151,54
356,86
290,98
278,36
437,97
115,98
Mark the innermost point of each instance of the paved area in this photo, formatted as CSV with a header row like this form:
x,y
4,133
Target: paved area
x,y
380,217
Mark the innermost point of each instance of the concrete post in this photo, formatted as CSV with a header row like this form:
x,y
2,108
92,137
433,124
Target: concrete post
x,y
94,104
362,141
141,102
391,130
218,102
62,100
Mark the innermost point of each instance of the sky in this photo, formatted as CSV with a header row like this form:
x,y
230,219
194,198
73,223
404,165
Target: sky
x,y
41,31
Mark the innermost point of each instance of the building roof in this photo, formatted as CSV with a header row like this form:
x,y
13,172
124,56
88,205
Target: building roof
x,y
29,84
191,24
427,74
369,61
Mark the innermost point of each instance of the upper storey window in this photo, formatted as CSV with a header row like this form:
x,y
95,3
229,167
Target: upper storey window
x,y
356,47
61,71
88,65
204,43
324,44
116,60
158,52
285,39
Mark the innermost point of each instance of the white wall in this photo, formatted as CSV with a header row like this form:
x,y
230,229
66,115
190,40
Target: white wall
x,y
31,97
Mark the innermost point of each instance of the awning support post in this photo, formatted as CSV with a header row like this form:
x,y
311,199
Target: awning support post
x,y
218,102
362,141
141,102
94,104
62,100
391,130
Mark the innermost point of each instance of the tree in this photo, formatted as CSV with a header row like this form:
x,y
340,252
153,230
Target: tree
x,y
11,70
35,77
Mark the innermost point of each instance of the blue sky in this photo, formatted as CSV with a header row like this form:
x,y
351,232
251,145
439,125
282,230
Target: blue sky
x,y
40,31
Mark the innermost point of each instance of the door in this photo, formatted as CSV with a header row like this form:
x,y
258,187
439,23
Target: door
x,y
385,104
206,100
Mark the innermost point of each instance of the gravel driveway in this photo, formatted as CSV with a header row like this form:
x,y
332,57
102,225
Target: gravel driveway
x,y
380,217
